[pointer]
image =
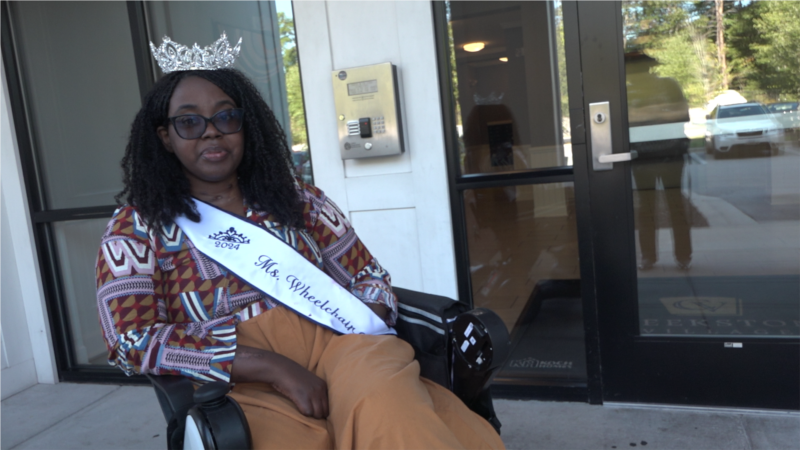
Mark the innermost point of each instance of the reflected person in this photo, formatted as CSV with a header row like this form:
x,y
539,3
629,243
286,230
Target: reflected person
x,y
490,141
657,101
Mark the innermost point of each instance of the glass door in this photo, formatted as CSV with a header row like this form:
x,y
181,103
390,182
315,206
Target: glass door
x,y
696,240
505,101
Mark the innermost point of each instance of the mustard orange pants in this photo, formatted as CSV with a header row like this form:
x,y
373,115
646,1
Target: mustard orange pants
x,y
377,399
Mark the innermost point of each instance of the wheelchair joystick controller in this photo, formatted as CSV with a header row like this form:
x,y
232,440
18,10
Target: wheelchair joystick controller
x,y
481,345
216,421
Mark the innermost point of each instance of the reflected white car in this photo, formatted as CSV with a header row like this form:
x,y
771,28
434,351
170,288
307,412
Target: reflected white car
x,y
787,114
742,127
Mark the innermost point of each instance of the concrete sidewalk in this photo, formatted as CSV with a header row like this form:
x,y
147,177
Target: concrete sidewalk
x,y
92,416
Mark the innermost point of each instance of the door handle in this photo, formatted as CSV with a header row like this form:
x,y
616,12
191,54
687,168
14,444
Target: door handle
x,y
618,157
603,157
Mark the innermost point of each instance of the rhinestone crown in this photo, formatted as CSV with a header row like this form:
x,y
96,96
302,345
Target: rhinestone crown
x,y
173,57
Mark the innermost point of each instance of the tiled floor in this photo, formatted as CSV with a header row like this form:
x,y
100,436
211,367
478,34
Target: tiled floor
x,y
517,237
86,416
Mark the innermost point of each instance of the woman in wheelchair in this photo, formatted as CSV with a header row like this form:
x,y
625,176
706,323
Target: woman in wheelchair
x,y
211,215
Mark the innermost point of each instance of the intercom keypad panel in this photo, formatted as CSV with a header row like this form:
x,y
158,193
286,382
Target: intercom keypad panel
x,y
368,111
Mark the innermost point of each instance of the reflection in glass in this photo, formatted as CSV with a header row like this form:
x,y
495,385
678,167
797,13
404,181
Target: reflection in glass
x,y
81,90
658,103
511,102
77,242
717,196
269,56
735,129
523,256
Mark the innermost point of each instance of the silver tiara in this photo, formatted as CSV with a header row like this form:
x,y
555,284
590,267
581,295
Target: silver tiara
x,y
173,57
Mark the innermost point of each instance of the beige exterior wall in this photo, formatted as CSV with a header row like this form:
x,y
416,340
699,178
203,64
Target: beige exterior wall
x,y
399,205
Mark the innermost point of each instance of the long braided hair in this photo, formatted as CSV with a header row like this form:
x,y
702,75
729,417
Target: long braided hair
x,y
154,180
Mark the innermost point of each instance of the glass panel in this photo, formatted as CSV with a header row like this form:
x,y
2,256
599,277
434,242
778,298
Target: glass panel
x,y
77,242
298,138
82,93
509,82
714,118
523,256
268,56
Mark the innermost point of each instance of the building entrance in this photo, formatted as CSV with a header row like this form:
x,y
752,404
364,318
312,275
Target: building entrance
x,y
514,199
670,276
695,241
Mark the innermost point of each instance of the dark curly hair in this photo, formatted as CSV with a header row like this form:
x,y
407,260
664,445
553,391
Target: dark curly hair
x,y
154,180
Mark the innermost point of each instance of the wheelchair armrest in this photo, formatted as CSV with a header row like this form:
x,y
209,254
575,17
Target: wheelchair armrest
x,y
174,393
459,349
217,421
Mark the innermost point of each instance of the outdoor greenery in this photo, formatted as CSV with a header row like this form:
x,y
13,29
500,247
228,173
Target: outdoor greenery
x,y
562,64
294,92
752,47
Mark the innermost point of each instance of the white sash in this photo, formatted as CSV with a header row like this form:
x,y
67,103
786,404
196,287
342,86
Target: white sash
x,y
273,267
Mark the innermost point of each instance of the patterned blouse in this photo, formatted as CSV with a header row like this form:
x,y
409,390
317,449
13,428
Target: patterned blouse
x,y
165,308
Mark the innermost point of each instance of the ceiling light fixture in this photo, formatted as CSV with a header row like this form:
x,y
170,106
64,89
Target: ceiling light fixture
x,y
474,46
504,59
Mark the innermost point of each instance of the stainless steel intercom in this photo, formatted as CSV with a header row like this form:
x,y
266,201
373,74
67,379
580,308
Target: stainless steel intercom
x,y
368,111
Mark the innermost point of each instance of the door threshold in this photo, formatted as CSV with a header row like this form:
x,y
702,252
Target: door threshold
x,y
706,409
542,393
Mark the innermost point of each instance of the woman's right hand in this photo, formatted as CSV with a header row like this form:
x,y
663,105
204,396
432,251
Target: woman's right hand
x,y
306,390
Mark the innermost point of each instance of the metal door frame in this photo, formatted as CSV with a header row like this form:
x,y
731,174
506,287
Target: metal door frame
x,y
576,174
692,370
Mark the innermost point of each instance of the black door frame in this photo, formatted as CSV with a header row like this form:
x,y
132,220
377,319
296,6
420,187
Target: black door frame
x,y
697,371
43,217
577,174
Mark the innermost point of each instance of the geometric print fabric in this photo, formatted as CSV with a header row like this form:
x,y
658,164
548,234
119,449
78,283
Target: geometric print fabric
x,y
165,308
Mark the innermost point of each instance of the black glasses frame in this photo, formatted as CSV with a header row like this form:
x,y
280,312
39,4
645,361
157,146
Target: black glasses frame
x,y
207,121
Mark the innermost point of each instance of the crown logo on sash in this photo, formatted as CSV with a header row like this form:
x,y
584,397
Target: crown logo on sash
x,y
230,236
173,57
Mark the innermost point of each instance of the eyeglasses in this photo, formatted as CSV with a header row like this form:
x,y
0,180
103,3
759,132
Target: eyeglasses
x,y
192,126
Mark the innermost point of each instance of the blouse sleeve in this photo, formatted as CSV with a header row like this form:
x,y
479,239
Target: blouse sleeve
x,y
136,326
346,258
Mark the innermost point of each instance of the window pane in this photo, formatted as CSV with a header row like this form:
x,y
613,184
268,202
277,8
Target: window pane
x,y
509,82
713,116
77,243
82,92
523,257
268,56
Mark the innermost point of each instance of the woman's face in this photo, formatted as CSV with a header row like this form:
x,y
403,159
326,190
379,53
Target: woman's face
x,y
213,157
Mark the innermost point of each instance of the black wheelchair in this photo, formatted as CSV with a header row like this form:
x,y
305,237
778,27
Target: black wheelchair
x,y
459,349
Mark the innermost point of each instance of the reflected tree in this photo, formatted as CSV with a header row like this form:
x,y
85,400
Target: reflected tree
x,y
742,36
750,46
689,57
777,58
294,91
680,36
562,63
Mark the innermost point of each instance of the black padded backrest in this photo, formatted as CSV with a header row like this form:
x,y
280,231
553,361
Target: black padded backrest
x,y
423,322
